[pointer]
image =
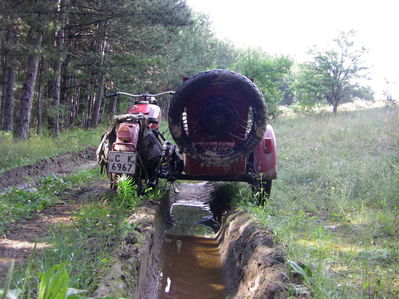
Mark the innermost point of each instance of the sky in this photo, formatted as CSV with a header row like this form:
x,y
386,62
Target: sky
x,y
291,27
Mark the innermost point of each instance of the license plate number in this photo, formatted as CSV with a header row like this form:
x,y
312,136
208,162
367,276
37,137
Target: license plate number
x,y
121,162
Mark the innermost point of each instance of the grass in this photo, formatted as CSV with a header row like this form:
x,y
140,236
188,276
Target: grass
x,y
21,204
86,246
38,147
335,204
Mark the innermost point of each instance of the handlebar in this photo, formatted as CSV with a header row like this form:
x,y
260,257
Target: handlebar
x,y
144,95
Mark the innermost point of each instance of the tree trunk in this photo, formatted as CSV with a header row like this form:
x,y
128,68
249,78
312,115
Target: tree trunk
x,y
3,85
97,104
100,94
39,111
59,43
21,130
8,88
335,108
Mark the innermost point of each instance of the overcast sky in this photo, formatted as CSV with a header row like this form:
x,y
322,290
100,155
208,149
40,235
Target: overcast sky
x,y
291,27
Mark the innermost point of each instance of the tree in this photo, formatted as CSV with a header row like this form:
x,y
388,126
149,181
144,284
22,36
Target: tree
x,y
268,73
333,74
21,130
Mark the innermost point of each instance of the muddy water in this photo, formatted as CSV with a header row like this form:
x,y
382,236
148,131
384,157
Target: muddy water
x,y
191,266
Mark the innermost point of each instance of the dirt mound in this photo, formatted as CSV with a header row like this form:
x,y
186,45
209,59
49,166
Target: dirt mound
x,y
59,164
253,264
135,274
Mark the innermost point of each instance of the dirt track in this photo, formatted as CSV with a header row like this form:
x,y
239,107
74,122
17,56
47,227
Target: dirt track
x,y
61,164
251,263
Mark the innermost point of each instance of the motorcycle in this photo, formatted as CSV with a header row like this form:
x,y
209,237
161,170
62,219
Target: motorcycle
x,y
132,146
217,119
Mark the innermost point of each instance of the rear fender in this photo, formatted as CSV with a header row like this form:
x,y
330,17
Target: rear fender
x,y
265,155
127,135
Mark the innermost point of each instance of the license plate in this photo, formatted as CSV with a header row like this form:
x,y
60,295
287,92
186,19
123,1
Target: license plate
x,y
122,162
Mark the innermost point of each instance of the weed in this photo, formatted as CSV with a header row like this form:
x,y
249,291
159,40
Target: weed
x,y
127,192
38,147
19,204
335,204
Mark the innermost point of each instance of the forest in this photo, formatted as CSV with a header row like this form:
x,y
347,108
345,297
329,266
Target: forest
x,y
58,55
327,229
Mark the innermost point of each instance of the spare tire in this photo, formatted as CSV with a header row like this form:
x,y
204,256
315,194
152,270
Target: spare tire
x,y
227,80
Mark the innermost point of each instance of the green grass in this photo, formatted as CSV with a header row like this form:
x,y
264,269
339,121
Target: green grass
x,y
38,147
21,204
335,204
86,246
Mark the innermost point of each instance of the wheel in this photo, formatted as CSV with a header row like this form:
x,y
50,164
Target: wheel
x,y
139,180
113,181
142,183
230,84
261,190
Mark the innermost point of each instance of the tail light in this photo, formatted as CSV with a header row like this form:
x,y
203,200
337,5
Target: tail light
x,y
268,145
124,133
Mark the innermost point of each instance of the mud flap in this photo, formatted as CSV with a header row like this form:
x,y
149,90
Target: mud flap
x,y
107,139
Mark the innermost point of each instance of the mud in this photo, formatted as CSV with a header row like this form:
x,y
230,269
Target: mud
x,y
19,242
191,268
253,265
135,274
164,256
188,245
62,164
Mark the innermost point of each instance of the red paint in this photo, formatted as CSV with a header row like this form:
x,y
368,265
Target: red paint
x,y
127,137
151,110
265,155
139,108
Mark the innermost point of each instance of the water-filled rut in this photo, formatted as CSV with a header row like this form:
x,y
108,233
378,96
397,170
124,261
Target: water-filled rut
x,y
191,268
192,246
191,265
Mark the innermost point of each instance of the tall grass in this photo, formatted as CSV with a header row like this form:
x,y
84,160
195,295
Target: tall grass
x,y
38,147
336,201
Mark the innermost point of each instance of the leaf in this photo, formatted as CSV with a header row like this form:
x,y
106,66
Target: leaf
x,y
53,283
301,269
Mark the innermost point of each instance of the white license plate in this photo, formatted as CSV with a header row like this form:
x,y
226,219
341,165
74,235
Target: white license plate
x,y
122,162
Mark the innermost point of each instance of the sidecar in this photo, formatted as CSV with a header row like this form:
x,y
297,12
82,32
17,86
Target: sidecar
x,y
218,120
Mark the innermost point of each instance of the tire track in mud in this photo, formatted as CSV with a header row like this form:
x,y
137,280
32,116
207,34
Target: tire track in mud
x,y
61,164
20,240
252,265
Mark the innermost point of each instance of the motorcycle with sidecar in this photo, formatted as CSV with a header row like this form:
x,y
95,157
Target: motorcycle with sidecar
x,y
217,120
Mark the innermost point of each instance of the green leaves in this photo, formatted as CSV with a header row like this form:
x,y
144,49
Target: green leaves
x,y
268,73
53,283
331,74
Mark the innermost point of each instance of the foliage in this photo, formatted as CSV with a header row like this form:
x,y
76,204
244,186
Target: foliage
x,y
335,202
20,204
195,49
53,283
139,45
268,74
98,227
40,146
332,75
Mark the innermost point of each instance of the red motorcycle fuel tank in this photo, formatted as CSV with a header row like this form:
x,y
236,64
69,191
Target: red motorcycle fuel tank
x,y
153,111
